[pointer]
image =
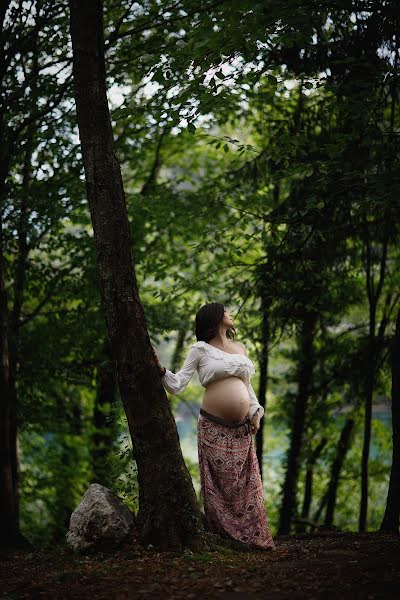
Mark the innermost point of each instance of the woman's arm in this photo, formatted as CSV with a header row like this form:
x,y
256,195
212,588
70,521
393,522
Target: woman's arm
x,y
177,382
255,406
254,403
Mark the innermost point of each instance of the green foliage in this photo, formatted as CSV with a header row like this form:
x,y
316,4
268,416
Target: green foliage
x,y
54,469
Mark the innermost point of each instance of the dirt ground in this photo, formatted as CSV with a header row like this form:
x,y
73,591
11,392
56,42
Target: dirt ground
x,y
331,565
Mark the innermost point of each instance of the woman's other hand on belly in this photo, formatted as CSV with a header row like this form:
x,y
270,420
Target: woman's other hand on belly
x,y
255,424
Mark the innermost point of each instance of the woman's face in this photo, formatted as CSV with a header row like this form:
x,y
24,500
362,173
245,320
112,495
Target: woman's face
x,y
227,320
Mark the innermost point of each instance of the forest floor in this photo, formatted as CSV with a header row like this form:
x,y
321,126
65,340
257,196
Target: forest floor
x,y
342,565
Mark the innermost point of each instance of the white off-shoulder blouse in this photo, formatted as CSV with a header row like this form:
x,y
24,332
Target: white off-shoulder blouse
x,y
212,364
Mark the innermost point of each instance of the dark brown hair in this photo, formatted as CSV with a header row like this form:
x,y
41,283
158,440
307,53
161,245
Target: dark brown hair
x,y
208,319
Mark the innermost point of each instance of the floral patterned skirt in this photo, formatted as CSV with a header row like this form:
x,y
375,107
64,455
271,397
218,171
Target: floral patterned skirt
x,y
231,485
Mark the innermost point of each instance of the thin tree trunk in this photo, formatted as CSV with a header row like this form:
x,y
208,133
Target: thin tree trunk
x,y
266,301
391,517
177,356
320,508
10,321
19,287
306,365
308,485
342,448
169,516
374,292
151,180
369,390
176,363
8,498
9,526
262,389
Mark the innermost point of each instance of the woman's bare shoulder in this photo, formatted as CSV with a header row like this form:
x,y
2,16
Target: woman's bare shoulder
x,y
240,347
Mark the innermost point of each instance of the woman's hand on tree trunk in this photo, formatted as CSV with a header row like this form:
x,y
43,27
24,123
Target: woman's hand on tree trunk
x,y
159,367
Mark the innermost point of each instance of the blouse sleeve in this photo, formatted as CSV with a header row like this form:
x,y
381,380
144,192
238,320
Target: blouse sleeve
x,y
176,382
254,404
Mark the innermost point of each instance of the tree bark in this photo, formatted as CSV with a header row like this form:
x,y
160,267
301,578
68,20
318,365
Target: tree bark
x,y
169,516
391,517
306,365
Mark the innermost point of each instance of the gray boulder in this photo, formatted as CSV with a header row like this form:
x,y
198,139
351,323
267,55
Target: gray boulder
x,y
101,521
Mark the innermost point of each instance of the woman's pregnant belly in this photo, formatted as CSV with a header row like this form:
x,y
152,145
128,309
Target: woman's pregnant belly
x,y
227,398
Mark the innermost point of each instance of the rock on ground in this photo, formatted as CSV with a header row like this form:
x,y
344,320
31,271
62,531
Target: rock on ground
x,y
100,522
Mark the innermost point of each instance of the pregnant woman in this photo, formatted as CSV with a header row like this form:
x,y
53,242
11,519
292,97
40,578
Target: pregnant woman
x,y
231,486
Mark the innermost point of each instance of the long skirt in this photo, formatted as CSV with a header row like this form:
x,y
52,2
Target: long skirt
x,y
231,485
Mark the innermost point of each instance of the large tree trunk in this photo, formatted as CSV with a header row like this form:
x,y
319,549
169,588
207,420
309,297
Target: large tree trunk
x,y
306,365
169,516
391,517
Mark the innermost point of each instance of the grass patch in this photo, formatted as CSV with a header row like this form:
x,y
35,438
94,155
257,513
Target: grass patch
x,y
205,557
